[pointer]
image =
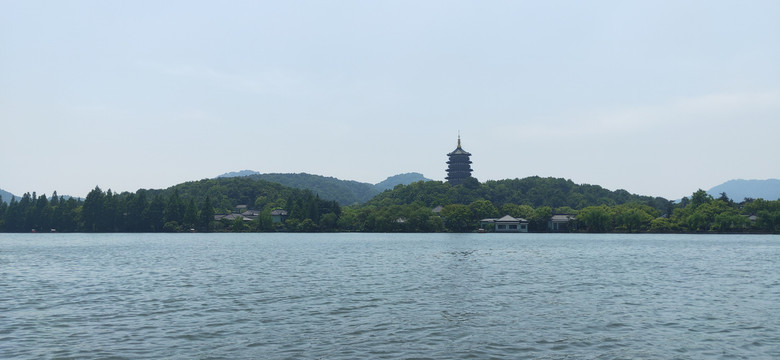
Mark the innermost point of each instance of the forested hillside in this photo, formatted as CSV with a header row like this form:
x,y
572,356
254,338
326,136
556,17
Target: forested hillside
x,y
533,191
186,206
424,206
345,192
595,209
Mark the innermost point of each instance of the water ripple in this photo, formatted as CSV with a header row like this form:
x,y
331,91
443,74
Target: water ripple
x,y
355,296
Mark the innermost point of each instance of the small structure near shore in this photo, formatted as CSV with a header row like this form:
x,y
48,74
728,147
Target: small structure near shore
x,y
562,223
506,224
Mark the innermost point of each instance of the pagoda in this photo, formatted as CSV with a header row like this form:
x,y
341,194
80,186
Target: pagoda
x,y
459,165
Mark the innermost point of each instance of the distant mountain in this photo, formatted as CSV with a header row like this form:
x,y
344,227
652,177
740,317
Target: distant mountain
x,y
402,179
345,192
739,189
238,173
6,196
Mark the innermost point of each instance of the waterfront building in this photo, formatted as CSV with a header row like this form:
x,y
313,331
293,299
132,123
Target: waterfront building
x,y
505,224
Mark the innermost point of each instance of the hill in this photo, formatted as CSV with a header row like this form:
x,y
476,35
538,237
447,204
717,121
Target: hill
x,y
6,195
533,191
739,189
238,173
403,179
345,192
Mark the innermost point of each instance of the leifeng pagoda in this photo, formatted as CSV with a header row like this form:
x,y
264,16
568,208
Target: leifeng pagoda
x,y
459,165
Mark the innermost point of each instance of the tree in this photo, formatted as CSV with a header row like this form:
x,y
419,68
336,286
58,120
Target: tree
x,y
174,209
633,217
348,221
155,214
307,225
518,211
328,222
661,225
700,197
108,218
539,219
190,215
481,209
596,218
458,218
92,210
206,215
265,221
3,208
136,209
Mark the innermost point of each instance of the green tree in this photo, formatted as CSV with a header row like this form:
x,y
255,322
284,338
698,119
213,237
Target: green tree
x,y
238,225
328,222
700,197
92,210
596,218
174,209
632,217
3,209
458,218
155,214
136,208
307,225
265,221
348,221
729,221
661,225
481,209
206,215
539,219
171,226
190,215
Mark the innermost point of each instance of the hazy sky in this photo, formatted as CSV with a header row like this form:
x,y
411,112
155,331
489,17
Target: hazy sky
x,y
656,97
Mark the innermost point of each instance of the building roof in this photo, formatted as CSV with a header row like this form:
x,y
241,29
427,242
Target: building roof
x,y
459,150
504,219
231,217
279,212
508,218
562,218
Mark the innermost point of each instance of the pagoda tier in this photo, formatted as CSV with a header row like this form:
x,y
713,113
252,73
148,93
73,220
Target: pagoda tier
x,y
459,165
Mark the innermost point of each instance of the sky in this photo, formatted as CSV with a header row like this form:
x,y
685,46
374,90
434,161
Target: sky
x,y
659,98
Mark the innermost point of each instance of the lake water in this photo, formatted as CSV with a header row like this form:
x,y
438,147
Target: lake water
x,y
389,296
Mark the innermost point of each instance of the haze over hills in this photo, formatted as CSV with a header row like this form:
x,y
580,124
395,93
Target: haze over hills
x,y
6,195
400,179
345,192
239,173
739,189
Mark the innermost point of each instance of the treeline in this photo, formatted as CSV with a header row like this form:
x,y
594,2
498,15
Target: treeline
x,y
184,207
532,191
430,206
700,213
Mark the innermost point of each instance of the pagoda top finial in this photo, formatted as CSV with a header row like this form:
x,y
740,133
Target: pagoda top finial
x,y
458,138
